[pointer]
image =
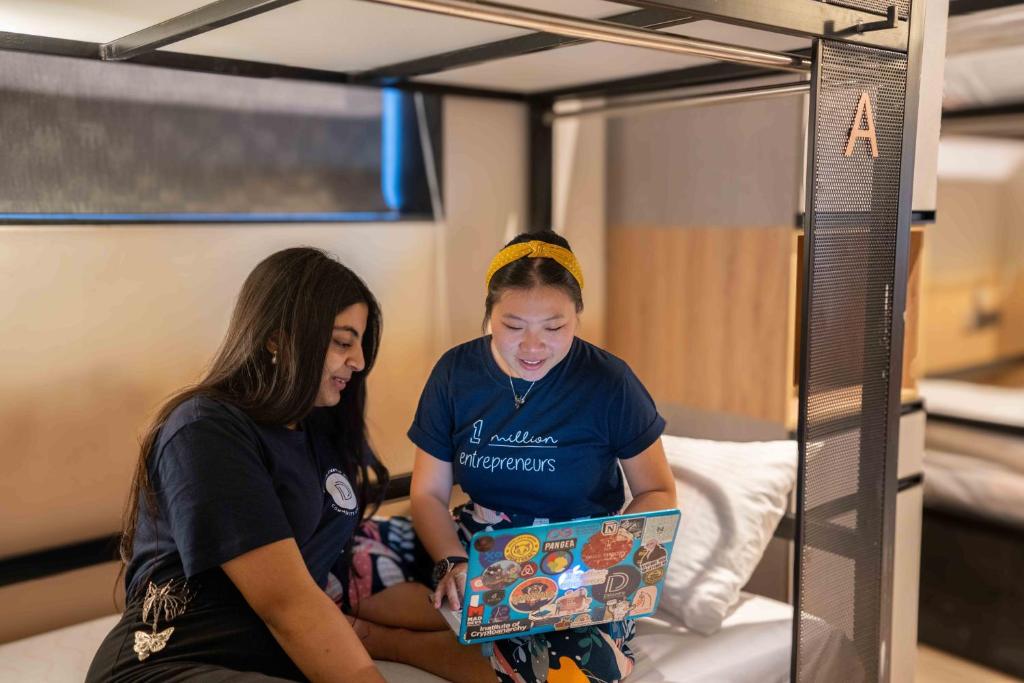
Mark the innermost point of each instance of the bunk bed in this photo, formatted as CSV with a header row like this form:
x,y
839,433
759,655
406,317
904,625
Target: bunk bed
x,y
972,542
860,60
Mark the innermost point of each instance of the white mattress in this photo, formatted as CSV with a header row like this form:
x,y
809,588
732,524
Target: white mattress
x,y
976,485
985,404
970,401
753,645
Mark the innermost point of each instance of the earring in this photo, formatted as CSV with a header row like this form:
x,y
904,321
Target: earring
x,y
273,358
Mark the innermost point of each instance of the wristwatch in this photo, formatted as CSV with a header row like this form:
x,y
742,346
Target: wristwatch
x,y
442,568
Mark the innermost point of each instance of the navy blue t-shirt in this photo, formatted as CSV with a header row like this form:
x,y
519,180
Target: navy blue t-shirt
x,y
225,485
555,457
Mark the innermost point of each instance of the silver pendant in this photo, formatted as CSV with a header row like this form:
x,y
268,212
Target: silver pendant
x,y
519,401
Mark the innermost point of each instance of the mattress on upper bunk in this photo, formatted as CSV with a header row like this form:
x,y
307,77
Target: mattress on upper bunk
x,y
753,645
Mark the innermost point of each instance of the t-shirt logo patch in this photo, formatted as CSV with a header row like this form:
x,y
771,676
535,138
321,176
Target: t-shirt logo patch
x,y
340,490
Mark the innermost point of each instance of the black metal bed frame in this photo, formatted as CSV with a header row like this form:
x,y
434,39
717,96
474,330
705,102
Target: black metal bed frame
x,y
858,230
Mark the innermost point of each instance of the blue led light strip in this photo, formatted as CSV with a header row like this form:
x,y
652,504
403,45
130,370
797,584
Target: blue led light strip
x,y
172,217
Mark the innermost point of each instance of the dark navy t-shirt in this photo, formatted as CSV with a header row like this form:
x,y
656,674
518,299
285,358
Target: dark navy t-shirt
x,y
555,457
225,485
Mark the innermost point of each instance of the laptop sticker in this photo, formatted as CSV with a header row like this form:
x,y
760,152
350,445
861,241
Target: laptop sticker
x,y
532,594
622,582
522,548
605,550
501,574
556,562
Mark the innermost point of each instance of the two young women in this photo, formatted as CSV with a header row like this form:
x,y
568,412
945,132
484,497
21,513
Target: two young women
x,y
243,534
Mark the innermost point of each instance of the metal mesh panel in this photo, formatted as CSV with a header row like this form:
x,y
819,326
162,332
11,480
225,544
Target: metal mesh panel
x,y
854,205
879,6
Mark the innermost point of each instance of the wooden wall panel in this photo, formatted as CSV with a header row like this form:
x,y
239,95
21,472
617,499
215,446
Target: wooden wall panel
x,y
952,339
911,331
703,315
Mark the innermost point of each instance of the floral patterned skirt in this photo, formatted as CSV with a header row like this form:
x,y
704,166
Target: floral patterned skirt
x,y
386,552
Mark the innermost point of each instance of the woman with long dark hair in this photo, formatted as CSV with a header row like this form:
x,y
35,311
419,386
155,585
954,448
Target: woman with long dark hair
x,y
249,487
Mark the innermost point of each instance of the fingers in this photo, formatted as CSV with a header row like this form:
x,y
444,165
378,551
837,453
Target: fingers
x,y
438,595
441,592
452,590
453,587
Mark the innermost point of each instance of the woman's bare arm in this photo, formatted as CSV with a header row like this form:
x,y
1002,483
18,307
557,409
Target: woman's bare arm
x,y
430,494
276,583
650,480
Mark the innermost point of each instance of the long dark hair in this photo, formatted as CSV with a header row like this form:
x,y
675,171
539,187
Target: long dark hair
x,y
527,273
291,298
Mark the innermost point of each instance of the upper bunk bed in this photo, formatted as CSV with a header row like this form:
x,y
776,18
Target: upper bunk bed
x,y
523,52
860,60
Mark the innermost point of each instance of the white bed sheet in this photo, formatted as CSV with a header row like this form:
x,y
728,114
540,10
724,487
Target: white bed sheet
x,y
64,655
984,404
975,485
753,645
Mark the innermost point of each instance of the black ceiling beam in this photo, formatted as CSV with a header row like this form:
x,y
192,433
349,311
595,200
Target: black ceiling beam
x,y
200,20
514,47
240,67
959,7
59,47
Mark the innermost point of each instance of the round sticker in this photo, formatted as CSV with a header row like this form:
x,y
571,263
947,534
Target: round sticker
x,y
621,583
500,574
492,598
602,551
532,594
522,548
650,556
483,544
556,562
527,570
654,576
495,553
340,491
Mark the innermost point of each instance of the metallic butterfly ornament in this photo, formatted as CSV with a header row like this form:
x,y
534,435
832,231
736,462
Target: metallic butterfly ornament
x,y
161,601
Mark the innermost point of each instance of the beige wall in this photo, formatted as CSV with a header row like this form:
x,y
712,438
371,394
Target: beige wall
x,y
578,211
485,200
106,321
100,323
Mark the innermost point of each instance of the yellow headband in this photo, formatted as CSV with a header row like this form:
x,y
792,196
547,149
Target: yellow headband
x,y
536,249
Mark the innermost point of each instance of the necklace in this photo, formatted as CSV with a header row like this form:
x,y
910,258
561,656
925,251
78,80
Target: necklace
x,y
519,400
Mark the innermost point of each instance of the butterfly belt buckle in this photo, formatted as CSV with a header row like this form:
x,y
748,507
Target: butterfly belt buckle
x,y
160,601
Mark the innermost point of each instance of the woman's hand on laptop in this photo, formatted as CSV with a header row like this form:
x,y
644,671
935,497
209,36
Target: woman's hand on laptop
x,y
452,586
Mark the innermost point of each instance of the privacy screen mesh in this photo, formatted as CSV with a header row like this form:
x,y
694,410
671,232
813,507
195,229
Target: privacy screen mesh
x,y
852,240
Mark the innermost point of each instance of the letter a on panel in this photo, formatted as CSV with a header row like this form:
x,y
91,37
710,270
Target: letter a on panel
x,y
857,132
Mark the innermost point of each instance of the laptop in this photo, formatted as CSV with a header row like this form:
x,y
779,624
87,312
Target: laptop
x,y
549,577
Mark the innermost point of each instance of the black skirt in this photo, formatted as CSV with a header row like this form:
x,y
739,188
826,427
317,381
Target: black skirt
x,y
215,638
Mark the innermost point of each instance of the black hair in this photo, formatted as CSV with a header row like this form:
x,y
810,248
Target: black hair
x,y
289,301
527,273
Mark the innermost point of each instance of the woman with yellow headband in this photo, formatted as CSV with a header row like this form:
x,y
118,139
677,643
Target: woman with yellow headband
x,y
534,423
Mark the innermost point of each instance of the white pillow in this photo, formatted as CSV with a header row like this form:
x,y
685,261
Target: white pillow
x,y
732,496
